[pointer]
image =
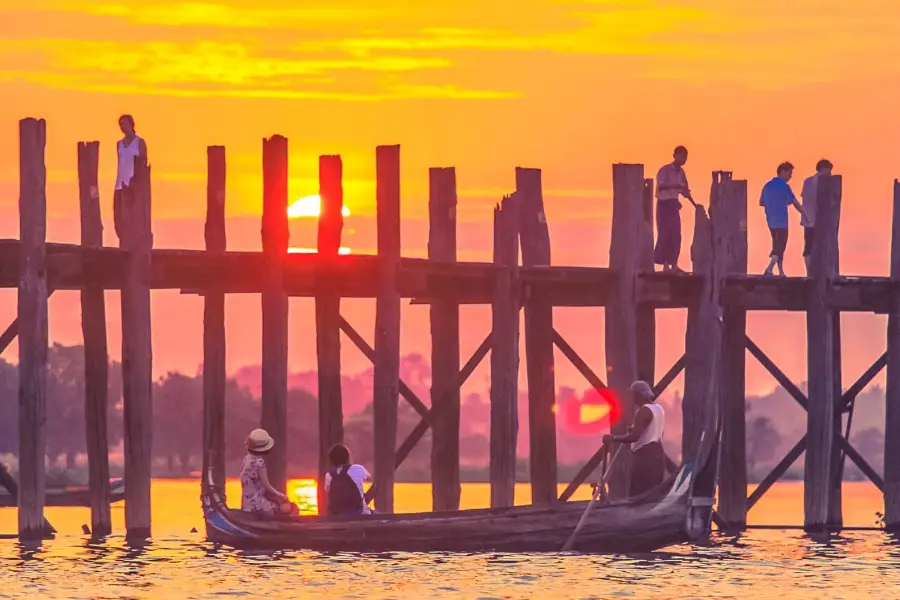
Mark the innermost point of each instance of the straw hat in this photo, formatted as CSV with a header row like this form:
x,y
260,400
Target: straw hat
x,y
642,388
259,440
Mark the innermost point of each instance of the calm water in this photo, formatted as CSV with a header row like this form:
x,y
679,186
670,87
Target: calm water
x,y
180,564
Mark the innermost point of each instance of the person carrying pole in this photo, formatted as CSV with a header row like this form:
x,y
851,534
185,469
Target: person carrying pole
x,y
671,182
645,436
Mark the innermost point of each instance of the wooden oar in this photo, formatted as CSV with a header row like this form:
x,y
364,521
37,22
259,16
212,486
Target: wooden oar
x,y
587,511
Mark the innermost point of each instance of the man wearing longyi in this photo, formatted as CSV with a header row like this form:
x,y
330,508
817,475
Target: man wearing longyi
x,y
645,436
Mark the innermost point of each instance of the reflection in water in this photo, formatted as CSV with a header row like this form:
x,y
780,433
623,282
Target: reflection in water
x,y
180,564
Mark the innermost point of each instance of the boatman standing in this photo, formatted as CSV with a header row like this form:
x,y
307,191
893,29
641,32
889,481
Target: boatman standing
x,y
671,182
128,148
645,435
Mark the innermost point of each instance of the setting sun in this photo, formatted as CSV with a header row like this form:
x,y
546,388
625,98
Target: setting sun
x,y
308,207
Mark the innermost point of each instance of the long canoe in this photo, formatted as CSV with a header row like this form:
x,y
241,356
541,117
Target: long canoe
x,y
676,512
69,495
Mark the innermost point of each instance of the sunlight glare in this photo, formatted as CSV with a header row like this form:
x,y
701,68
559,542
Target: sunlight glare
x,y
309,207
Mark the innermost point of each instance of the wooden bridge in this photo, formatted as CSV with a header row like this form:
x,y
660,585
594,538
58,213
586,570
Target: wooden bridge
x,y
628,289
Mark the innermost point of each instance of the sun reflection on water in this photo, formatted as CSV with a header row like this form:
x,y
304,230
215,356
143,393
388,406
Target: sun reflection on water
x,y
303,493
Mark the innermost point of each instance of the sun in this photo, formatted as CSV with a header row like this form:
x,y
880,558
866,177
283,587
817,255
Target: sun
x,y
309,207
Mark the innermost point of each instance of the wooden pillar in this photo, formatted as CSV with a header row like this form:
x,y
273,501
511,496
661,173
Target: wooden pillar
x,y
892,393
696,368
136,238
505,353
646,315
621,311
835,502
214,376
32,315
445,396
387,325
728,208
96,356
820,347
275,238
535,240
328,316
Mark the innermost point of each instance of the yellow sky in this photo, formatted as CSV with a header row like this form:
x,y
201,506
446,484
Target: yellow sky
x,y
569,86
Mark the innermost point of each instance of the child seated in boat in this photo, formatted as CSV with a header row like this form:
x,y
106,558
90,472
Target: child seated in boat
x,y
258,494
344,484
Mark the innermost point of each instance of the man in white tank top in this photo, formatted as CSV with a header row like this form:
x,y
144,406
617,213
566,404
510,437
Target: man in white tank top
x,y
127,149
645,435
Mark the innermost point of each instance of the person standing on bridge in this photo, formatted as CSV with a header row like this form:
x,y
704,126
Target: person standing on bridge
x,y
775,198
671,182
808,199
645,435
131,146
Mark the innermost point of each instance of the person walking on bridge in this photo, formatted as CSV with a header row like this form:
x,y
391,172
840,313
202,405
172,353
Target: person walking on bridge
x,y
671,182
131,146
808,197
775,198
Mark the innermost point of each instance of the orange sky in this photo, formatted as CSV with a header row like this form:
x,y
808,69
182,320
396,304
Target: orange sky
x,y
569,86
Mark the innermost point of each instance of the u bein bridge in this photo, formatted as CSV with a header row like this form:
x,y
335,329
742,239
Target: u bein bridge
x,y
629,290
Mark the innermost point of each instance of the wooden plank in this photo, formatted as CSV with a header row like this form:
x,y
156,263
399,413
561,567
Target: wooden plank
x,y
275,305
777,373
505,354
728,203
645,312
577,361
860,384
96,355
32,317
214,375
444,316
387,324
835,503
534,237
328,316
892,392
820,348
780,469
418,432
621,314
667,379
136,238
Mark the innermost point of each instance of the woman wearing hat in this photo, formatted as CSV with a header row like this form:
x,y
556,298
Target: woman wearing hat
x,y
258,494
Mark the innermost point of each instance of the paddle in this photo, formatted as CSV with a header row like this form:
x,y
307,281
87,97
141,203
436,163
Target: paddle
x,y
597,493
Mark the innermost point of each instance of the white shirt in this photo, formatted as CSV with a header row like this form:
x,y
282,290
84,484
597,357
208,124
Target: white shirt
x,y
126,161
809,197
670,175
654,431
359,475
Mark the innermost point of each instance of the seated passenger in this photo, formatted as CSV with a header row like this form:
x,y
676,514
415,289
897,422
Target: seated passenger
x,y
344,484
258,495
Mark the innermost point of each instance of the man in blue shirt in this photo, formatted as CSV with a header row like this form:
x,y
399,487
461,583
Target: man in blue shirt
x,y
775,198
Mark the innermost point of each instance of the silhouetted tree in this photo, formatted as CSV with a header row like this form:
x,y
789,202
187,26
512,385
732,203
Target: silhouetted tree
x,y
762,441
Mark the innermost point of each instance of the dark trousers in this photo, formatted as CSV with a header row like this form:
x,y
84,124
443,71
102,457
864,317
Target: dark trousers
x,y
809,234
648,468
779,242
668,232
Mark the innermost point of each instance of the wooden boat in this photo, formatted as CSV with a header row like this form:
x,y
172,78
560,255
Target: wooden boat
x,y
68,495
677,511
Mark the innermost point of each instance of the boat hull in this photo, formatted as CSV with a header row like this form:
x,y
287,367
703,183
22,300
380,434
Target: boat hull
x,y
69,496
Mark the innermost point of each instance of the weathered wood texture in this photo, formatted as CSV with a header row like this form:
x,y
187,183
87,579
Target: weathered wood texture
x,y
835,503
646,313
534,237
820,347
136,237
275,239
728,208
387,325
445,397
328,315
892,393
96,356
505,354
621,310
214,376
32,315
